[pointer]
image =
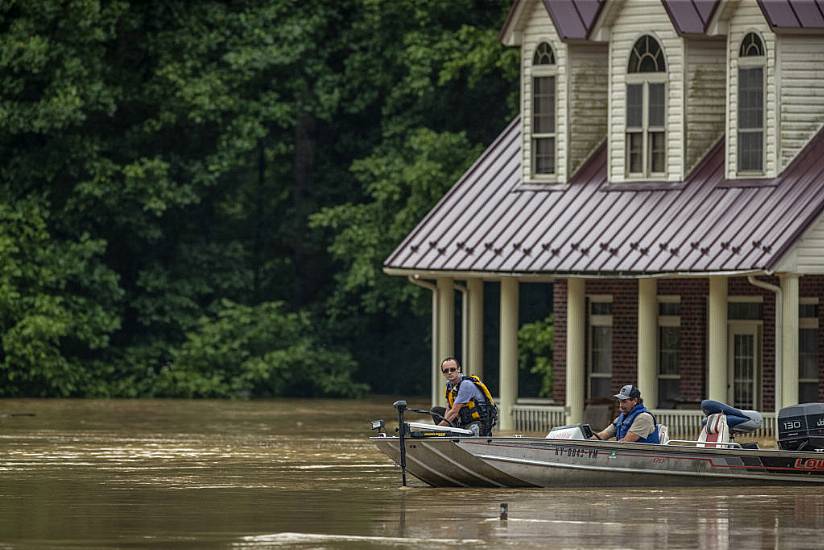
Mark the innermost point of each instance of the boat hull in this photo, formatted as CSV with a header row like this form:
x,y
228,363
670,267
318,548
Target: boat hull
x,y
525,462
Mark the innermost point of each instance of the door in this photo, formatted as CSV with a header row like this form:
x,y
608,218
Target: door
x,y
744,365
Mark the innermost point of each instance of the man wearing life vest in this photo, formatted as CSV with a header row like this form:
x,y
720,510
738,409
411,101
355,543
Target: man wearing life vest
x,y
635,423
470,404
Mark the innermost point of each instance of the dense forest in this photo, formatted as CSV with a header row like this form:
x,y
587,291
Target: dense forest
x,y
197,197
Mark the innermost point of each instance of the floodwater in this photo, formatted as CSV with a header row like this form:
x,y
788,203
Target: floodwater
x,y
302,474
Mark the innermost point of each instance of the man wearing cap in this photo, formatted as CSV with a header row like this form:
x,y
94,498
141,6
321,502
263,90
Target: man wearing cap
x,y
635,423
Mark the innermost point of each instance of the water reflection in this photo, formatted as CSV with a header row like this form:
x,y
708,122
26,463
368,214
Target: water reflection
x,y
301,474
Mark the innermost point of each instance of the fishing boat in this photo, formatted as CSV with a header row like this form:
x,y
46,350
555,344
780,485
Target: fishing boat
x,y
450,457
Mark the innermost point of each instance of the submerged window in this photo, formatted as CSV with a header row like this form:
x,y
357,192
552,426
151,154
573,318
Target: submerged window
x,y
808,371
646,150
751,64
669,351
600,348
543,110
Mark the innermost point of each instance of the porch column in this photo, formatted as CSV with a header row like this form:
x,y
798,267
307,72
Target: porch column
x,y
437,383
475,351
789,341
717,336
647,337
509,351
575,346
446,326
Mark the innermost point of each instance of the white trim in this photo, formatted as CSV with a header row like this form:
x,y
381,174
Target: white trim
x,y
744,299
746,328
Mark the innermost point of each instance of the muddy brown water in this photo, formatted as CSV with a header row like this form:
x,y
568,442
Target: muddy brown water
x,y
302,474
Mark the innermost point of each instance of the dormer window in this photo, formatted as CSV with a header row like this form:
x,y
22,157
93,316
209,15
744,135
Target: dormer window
x,y
543,111
646,150
751,62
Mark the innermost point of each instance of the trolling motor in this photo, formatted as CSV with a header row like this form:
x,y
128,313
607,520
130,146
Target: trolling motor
x,y
401,406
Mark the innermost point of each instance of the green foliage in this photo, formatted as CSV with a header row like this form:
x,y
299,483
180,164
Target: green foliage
x,y
256,351
58,305
159,161
535,347
403,183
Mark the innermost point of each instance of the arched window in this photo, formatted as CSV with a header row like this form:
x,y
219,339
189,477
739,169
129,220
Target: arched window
x,y
751,46
646,151
543,110
647,56
751,63
543,55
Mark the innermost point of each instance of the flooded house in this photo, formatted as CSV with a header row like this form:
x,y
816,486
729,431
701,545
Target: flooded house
x,y
666,176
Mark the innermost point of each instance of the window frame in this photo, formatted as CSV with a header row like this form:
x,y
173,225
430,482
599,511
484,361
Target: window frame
x,y
808,323
746,326
536,72
664,321
645,79
746,63
594,321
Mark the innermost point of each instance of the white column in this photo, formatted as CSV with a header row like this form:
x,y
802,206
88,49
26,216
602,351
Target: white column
x,y
446,325
717,335
789,340
475,351
575,351
437,383
647,338
509,352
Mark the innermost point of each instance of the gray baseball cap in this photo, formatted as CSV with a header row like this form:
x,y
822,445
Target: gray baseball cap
x,y
628,392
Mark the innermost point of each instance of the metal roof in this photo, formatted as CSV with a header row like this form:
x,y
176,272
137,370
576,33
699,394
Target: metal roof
x,y
690,16
573,19
490,222
794,15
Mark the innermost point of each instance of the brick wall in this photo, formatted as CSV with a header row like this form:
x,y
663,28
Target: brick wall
x,y
693,357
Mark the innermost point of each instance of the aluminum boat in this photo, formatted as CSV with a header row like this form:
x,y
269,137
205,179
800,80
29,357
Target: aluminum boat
x,y
447,457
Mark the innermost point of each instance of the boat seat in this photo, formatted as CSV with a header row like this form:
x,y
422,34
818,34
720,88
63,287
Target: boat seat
x,y
663,434
738,420
715,431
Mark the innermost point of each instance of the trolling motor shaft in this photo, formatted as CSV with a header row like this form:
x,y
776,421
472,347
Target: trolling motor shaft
x,y
401,406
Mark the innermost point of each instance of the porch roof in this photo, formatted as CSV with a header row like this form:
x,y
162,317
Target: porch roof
x,y
491,222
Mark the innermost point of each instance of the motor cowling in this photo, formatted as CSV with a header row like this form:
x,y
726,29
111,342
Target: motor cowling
x,y
801,427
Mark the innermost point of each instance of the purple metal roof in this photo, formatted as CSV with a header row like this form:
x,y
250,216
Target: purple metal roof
x,y
489,222
573,19
794,15
690,16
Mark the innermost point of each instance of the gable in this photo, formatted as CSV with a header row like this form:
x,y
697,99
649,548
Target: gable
x,y
573,19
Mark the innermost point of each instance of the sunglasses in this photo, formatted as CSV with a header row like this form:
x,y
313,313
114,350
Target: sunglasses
x,y
448,370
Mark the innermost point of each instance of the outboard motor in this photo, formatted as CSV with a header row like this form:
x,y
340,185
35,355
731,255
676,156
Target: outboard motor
x,y
801,427
739,421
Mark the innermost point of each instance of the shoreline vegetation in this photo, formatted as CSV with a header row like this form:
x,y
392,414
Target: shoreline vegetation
x,y
197,197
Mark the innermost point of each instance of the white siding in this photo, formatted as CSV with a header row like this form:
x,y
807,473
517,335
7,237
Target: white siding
x,y
588,79
706,62
807,256
801,59
748,18
539,28
637,18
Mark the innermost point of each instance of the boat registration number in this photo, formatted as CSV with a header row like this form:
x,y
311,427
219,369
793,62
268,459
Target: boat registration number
x,y
576,452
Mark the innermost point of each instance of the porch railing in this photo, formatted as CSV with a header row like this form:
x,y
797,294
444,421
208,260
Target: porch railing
x,y
530,416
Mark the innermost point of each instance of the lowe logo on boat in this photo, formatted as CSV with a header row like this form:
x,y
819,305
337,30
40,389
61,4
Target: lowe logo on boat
x,y
810,463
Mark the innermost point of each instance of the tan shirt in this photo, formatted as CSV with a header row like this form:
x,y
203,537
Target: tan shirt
x,y
642,426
